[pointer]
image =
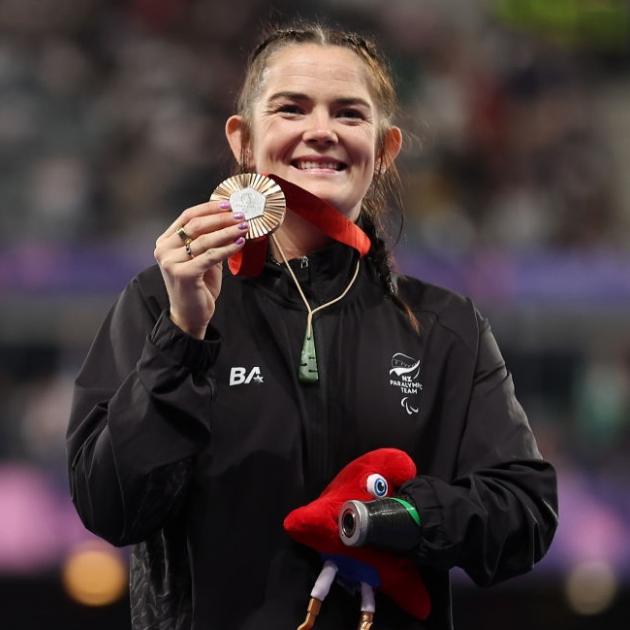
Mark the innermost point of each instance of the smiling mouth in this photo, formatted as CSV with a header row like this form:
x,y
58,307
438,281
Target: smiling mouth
x,y
319,165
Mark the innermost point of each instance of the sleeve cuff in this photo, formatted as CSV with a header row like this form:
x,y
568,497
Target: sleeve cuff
x,y
198,355
421,493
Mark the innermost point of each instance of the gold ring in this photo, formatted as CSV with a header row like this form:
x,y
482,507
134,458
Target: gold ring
x,y
189,250
182,234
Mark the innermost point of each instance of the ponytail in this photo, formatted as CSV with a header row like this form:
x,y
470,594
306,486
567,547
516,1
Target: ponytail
x,y
381,259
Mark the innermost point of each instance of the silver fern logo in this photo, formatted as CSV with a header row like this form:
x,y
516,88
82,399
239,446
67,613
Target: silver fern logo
x,y
404,375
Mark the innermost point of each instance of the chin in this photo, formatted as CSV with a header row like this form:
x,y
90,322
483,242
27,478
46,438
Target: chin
x,y
324,192
324,189
340,204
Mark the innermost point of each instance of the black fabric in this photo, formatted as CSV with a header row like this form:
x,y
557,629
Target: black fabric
x,y
196,455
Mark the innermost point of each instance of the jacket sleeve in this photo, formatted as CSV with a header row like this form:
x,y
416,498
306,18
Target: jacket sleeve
x,y
498,515
140,413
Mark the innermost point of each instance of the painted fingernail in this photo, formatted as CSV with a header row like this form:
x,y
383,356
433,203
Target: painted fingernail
x,y
243,226
239,216
224,205
240,240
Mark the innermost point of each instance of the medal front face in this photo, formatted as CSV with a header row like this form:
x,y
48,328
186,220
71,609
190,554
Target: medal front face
x,y
258,197
248,201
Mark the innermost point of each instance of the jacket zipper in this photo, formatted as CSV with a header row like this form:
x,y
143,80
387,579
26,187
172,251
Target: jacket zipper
x,y
322,459
318,414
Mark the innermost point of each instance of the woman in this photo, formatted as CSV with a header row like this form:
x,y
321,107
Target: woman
x,y
192,434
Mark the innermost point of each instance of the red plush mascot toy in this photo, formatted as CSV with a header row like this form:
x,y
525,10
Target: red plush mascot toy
x,y
375,475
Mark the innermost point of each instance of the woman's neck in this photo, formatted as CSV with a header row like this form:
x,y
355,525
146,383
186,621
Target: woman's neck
x,y
298,238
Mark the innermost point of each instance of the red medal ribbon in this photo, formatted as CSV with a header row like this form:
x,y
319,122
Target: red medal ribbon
x,y
249,261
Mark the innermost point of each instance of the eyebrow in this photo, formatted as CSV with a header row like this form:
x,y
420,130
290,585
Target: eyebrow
x,y
298,96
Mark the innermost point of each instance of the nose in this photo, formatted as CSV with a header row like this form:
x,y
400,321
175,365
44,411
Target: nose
x,y
320,130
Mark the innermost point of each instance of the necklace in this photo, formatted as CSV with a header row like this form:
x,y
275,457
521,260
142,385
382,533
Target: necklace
x,y
308,372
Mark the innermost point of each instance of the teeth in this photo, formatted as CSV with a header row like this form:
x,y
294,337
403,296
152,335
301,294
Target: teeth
x,y
305,165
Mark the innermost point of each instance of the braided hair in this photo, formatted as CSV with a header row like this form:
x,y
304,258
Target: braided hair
x,y
386,180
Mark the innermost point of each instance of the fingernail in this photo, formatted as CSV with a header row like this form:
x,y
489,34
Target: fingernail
x,y
240,240
224,205
239,216
243,226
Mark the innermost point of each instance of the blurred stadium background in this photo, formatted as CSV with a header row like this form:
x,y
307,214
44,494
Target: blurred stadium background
x,y
516,193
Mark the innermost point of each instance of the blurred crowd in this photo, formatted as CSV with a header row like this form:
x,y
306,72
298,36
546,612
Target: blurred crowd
x,y
112,113
111,122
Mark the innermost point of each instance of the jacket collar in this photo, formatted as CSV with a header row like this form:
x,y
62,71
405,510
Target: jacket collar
x,y
323,275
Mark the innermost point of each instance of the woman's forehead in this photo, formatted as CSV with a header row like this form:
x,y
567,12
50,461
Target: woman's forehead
x,y
306,67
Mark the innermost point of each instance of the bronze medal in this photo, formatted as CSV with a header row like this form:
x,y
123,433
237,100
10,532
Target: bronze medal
x,y
258,197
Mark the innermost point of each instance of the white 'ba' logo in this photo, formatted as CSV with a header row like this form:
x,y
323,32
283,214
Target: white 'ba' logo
x,y
241,376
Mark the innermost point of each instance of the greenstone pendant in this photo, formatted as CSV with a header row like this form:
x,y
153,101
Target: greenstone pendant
x,y
308,361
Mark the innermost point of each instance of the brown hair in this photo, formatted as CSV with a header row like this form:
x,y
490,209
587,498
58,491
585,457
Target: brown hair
x,y
386,181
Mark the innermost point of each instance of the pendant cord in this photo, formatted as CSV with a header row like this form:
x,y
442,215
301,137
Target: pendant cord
x,y
309,310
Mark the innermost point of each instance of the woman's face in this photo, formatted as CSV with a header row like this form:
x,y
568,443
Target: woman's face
x,y
316,124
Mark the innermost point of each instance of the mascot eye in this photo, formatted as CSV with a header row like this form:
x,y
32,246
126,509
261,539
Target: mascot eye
x,y
377,485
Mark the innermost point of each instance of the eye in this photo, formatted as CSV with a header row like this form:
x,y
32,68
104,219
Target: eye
x,y
289,108
350,113
377,485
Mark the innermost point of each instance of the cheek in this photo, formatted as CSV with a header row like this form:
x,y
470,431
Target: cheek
x,y
275,145
364,148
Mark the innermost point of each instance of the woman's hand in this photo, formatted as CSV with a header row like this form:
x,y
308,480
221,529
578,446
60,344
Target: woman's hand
x,y
193,283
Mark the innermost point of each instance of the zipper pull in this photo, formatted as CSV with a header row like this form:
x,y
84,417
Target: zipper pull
x,y
304,262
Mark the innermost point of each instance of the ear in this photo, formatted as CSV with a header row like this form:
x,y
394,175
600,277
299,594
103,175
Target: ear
x,y
237,134
392,143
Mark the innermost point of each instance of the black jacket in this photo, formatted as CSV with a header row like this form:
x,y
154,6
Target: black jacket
x,y
195,456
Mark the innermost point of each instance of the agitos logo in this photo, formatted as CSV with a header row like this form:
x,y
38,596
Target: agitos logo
x,y
404,375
